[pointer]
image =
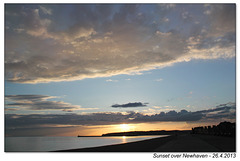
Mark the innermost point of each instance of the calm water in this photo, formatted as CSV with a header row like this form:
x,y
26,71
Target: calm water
x,y
27,144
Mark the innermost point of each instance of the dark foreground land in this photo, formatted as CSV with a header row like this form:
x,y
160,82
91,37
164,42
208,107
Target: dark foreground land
x,y
174,143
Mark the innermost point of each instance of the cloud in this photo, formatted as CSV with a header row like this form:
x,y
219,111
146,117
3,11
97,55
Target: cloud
x,y
135,104
220,113
45,10
110,80
54,43
159,80
11,109
26,122
172,115
223,17
23,98
227,111
38,102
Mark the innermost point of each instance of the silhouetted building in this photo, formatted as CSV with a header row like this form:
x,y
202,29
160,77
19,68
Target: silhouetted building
x,y
222,129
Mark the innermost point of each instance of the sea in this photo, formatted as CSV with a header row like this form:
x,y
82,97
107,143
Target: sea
x,y
45,144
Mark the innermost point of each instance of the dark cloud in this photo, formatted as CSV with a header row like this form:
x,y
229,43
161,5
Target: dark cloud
x,y
223,17
49,43
11,109
15,120
38,102
27,97
225,112
183,115
135,104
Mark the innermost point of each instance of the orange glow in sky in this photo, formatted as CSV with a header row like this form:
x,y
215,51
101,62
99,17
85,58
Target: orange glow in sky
x,y
98,130
125,127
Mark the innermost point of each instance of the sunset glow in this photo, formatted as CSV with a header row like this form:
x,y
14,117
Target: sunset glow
x,y
124,127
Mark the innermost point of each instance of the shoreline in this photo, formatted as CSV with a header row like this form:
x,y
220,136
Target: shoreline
x,y
136,146
172,143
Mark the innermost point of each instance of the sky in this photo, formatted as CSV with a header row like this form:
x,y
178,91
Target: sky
x,y
89,69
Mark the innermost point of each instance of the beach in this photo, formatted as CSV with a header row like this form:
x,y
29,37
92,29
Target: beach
x,y
174,143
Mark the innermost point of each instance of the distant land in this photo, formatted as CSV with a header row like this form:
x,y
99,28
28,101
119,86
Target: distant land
x,y
142,133
222,129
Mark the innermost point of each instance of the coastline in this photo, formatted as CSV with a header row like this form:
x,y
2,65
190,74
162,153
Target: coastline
x,y
173,143
137,146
